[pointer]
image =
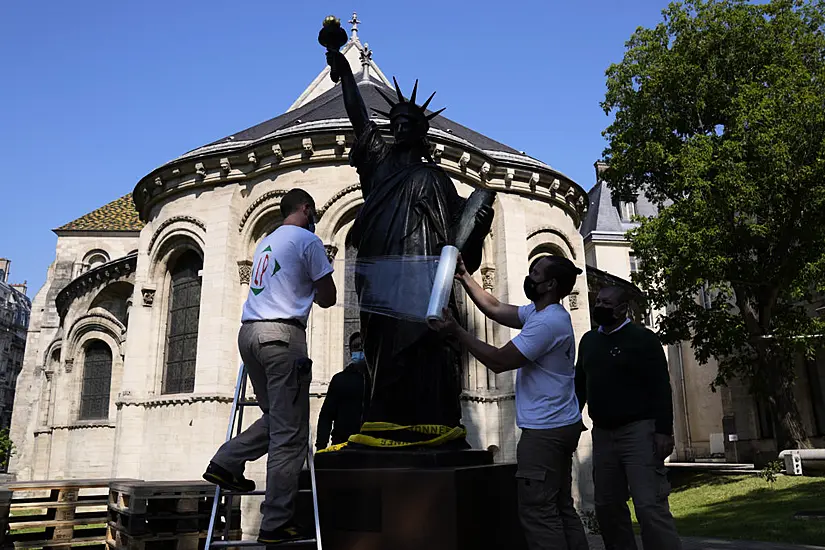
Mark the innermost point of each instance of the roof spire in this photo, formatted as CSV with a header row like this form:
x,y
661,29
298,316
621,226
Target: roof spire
x,y
366,57
354,22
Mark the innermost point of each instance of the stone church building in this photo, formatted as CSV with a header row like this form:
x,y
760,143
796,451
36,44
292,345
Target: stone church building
x,y
132,357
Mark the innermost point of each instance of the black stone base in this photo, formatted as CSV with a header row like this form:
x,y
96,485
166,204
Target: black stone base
x,y
361,457
455,507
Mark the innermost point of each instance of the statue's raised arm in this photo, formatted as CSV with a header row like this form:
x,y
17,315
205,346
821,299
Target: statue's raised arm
x,y
333,37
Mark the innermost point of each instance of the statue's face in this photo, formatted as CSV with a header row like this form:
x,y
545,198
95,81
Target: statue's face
x,y
404,129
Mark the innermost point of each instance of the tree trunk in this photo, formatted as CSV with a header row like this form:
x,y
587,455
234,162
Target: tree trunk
x,y
790,431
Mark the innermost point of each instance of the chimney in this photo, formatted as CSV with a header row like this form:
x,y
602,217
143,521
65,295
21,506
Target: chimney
x,y
5,265
21,287
600,166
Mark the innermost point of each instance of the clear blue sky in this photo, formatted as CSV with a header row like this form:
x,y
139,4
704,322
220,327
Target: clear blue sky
x,y
96,94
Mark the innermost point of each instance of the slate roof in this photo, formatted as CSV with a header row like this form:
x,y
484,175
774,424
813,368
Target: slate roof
x,y
330,106
118,215
603,212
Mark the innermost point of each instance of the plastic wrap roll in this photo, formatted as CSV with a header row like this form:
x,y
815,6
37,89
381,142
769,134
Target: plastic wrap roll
x,y
443,283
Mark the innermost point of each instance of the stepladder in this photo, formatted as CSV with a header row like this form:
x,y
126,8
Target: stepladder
x,y
220,534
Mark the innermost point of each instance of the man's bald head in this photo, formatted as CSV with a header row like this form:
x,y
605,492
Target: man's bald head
x,y
613,296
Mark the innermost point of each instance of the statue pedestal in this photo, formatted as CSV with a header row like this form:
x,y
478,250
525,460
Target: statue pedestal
x,y
414,500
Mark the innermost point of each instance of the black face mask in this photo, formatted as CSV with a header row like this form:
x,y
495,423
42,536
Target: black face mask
x,y
604,316
531,290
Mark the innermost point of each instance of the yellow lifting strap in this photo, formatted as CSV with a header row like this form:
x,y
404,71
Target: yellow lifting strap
x,y
442,434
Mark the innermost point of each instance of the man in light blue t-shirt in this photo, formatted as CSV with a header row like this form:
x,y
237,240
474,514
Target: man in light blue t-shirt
x,y
547,411
290,271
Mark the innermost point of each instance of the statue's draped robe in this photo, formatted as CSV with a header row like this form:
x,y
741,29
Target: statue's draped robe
x,y
409,210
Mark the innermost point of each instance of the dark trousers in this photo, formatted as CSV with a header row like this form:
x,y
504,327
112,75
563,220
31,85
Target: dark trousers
x,y
624,459
545,500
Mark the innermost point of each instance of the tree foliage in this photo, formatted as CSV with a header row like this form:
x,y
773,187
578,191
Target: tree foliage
x,y
6,450
719,118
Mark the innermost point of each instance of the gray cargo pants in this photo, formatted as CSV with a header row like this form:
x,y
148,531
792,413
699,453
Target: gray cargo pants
x,y
270,351
545,500
626,457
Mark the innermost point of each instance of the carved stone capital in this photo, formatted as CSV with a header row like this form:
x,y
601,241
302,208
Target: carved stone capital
x,y
488,275
148,296
332,250
244,271
574,300
69,365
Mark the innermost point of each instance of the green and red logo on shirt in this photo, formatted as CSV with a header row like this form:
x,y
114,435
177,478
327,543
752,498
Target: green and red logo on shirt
x,y
260,268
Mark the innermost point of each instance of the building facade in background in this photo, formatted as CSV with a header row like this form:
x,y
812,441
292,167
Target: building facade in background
x,y
132,354
729,424
15,311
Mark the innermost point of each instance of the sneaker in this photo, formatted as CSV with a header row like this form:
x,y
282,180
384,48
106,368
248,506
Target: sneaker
x,y
287,533
226,480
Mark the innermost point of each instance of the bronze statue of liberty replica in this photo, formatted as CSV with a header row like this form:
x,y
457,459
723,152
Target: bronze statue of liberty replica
x,y
411,209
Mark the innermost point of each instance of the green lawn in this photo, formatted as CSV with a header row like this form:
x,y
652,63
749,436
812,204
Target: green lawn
x,y
746,508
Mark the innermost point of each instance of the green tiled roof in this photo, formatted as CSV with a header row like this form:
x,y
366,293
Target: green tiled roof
x,y
118,215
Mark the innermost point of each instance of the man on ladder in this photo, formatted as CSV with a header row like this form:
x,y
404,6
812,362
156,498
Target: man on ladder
x,y
290,270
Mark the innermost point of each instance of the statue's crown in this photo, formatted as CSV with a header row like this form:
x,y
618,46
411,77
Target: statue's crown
x,y
402,107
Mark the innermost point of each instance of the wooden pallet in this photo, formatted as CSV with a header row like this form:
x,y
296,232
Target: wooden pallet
x,y
118,540
161,497
58,517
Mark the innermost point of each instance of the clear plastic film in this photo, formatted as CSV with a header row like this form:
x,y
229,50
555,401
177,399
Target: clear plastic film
x,y
396,286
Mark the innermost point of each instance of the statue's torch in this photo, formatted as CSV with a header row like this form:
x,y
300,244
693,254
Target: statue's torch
x,y
332,37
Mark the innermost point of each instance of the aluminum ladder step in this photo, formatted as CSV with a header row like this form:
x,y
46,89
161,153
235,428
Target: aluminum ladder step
x,y
256,544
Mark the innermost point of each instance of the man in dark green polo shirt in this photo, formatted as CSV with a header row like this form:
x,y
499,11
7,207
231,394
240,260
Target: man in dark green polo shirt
x,y
622,375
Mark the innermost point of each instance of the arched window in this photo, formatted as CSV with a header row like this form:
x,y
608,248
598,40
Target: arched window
x,y
182,329
97,381
94,258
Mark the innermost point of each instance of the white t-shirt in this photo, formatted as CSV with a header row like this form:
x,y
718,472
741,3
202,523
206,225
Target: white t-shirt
x,y
546,388
286,265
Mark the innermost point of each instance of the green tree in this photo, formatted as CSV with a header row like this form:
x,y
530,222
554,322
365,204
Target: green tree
x,y
719,118
6,450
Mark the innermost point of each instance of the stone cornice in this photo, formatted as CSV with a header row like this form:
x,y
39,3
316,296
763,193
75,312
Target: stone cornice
x,y
320,143
79,425
169,221
167,400
94,278
607,236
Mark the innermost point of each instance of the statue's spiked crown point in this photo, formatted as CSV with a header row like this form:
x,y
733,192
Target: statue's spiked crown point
x,y
408,108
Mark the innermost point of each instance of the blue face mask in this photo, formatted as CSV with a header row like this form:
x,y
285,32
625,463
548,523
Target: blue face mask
x,y
311,226
357,356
